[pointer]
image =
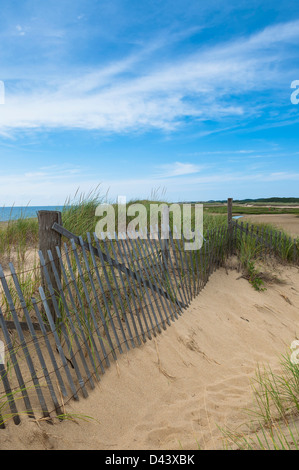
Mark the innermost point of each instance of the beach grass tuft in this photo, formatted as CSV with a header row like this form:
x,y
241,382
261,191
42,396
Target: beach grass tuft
x,y
274,418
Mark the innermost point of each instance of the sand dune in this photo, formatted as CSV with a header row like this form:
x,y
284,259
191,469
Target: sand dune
x,y
174,391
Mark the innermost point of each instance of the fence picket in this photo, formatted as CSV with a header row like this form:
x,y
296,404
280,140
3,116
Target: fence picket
x,y
110,290
35,341
90,307
122,308
9,395
137,284
179,281
24,347
70,321
16,366
155,279
67,340
101,313
79,322
58,344
159,247
144,275
124,289
49,348
103,294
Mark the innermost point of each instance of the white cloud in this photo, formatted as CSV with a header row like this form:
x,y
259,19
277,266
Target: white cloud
x,y
178,169
21,30
125,97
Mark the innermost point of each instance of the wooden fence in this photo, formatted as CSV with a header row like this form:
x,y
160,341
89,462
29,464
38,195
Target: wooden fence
x,y
266,241
96,300
109,296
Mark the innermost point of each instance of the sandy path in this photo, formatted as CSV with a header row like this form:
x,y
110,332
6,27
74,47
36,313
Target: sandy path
x,y
172,392
287,222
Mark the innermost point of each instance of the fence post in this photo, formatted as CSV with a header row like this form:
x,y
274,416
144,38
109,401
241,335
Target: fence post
x,y
48,240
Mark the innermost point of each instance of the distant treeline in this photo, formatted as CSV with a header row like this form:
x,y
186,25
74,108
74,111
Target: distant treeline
x,y
283,200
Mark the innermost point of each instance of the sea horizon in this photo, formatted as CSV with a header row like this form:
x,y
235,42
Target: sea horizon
x,y
17,212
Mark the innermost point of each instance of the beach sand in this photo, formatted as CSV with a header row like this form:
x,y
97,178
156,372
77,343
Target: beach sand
x,y
174,391
287,222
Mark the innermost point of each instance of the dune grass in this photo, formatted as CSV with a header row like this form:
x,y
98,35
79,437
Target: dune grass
x,y
282,244
20,237
274,418
16,237
261,242
78,216
6,415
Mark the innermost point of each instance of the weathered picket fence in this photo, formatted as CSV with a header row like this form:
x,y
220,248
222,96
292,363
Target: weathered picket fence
x,y
97,299
266,241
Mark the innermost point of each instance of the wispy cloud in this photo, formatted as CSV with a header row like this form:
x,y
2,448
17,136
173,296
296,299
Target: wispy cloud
x,y
178,169
46,185
52,185
21,31
122,97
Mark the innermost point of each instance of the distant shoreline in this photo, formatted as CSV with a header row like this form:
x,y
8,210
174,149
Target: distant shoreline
x,y
17,212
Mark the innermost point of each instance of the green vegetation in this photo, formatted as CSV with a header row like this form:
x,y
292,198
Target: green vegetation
x,y
18,237
269,200
6,415
260,242
242,210
275,416
254,277
263,240
78,216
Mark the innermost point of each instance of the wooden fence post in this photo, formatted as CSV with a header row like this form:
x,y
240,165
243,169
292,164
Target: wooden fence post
x,y
48,240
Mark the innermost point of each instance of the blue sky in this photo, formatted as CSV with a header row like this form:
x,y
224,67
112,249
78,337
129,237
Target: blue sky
x,y
187,98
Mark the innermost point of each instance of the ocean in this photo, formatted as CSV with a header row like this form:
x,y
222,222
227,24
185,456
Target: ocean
x,y
13,213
